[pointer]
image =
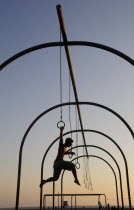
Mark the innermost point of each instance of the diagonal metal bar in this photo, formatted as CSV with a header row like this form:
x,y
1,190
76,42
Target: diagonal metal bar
x,y
64,36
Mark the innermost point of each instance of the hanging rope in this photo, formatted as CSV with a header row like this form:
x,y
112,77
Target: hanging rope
x,y
86,173
69,105
70,123
60,123
84,178
60,81
77,165
89,176
84,170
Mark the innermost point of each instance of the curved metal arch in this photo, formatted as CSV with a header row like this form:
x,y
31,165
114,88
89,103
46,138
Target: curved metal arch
x,y
98,158
120,177
70,43
41,115
100,133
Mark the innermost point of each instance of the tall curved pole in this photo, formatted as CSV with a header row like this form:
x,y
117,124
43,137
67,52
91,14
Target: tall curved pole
x,y
86,130
105,162
69,43
41,115
120,177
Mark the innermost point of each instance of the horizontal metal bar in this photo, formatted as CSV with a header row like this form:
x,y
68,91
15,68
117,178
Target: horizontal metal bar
x,y
73,194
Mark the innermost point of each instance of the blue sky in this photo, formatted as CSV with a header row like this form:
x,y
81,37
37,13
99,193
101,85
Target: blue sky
x,y
30,85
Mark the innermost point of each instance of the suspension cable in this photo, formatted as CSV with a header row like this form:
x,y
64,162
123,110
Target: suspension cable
x,y
60,80
86,173
84,168
69,105
77,165
70,123
89,176
76,133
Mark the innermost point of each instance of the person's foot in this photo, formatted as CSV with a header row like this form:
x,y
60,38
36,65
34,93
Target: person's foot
x,y
42,183
77,182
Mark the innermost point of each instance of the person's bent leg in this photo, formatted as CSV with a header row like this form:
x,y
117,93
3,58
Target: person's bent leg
x,y
71,167
55,177
75,175
44,181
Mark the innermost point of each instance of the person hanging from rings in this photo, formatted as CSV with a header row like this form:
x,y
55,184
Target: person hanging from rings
x,y
59,163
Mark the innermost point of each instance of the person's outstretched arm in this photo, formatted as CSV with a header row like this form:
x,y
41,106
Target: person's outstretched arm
x,y
61,137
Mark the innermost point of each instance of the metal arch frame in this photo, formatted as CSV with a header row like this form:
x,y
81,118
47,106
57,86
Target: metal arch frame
x,y
94,131
42,114
69,43
120,177
53,44
98,158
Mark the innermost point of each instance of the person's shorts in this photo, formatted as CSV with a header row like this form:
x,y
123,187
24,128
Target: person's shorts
x,y
61,164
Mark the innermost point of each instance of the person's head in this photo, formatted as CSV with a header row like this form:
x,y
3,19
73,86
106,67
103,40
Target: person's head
x,y
68,142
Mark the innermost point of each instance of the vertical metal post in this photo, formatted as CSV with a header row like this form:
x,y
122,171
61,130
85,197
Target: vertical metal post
x,y
75,202
61,190
105,200
44,202
41,192
71,201
19,175
53,195
58,200
63,199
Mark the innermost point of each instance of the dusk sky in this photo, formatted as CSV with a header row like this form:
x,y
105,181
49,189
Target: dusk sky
x,y
31,84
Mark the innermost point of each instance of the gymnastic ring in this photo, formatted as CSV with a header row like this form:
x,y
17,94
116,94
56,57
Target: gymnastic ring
x,y
90,183
77,165
70,156
62,124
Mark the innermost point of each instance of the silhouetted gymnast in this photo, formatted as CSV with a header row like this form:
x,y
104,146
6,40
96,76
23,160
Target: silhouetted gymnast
x,y
59,163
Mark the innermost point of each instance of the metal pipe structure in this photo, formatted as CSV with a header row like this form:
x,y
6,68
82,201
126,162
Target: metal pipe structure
x,y
64,36
71,195
57,44
69,43
58,201
120,177
105,162
86,130
71,202
44,113
105,200
53,194
44,203
75,201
